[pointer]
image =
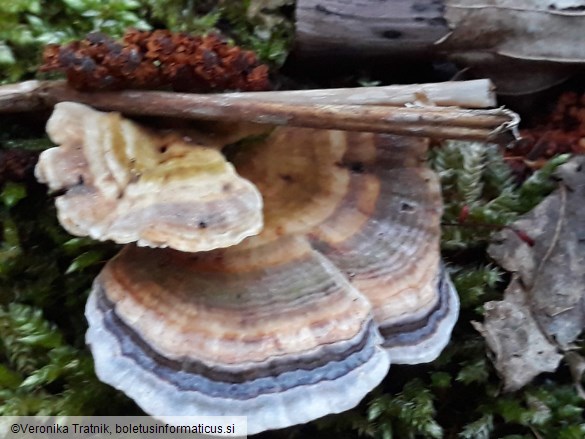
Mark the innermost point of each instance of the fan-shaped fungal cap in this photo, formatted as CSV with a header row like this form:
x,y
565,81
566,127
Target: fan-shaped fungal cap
x,y
393,256
372,207
127,184
278,327
274,333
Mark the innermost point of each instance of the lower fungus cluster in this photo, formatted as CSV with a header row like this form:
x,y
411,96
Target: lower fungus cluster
x,y
334,280
154,59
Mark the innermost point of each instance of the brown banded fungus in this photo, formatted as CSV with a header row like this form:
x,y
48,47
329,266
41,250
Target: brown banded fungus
x,y
300,320
273,333
125,183
371,206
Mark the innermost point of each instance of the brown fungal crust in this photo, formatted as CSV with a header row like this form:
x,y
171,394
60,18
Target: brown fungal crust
x,y
154,59
127,184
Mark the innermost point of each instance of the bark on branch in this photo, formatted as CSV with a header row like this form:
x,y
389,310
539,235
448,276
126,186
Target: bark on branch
x,y
371,109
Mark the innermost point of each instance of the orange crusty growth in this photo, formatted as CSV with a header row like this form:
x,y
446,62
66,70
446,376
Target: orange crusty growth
x,y
154,59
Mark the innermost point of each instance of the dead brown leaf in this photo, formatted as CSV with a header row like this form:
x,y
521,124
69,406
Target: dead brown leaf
x,y
532,30
544,304
520,349
524,45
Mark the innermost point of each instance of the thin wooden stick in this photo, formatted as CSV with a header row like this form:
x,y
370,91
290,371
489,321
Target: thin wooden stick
x,y
478,93
24,96
426,121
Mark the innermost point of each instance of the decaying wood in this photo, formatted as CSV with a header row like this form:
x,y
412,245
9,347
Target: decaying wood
x,y
537,37
24,96
533,30
307,109
368,28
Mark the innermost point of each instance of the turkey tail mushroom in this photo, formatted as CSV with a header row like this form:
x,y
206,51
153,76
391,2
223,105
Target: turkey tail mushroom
x,y
393,254
370,205
274,333
127,184
296,322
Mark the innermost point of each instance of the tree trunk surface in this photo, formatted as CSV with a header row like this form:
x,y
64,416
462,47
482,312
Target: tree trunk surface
x,y
369,27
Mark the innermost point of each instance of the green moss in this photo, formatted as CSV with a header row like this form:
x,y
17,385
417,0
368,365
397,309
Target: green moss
x,y
261,25
480,193
27,25
44,279
42,373
264,26
183,15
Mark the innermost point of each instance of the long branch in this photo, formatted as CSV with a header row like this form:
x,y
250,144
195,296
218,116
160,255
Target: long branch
x,y
426,121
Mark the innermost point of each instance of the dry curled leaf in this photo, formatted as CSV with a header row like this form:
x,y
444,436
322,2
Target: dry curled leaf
x,y
511,28
521,350
550,279
524,44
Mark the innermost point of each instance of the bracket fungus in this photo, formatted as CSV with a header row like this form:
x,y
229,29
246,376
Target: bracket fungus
x,y
370,205
127,184
276,334
298,321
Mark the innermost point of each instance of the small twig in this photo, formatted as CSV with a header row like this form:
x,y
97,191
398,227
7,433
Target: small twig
x,y
24,96
534,432
423,121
